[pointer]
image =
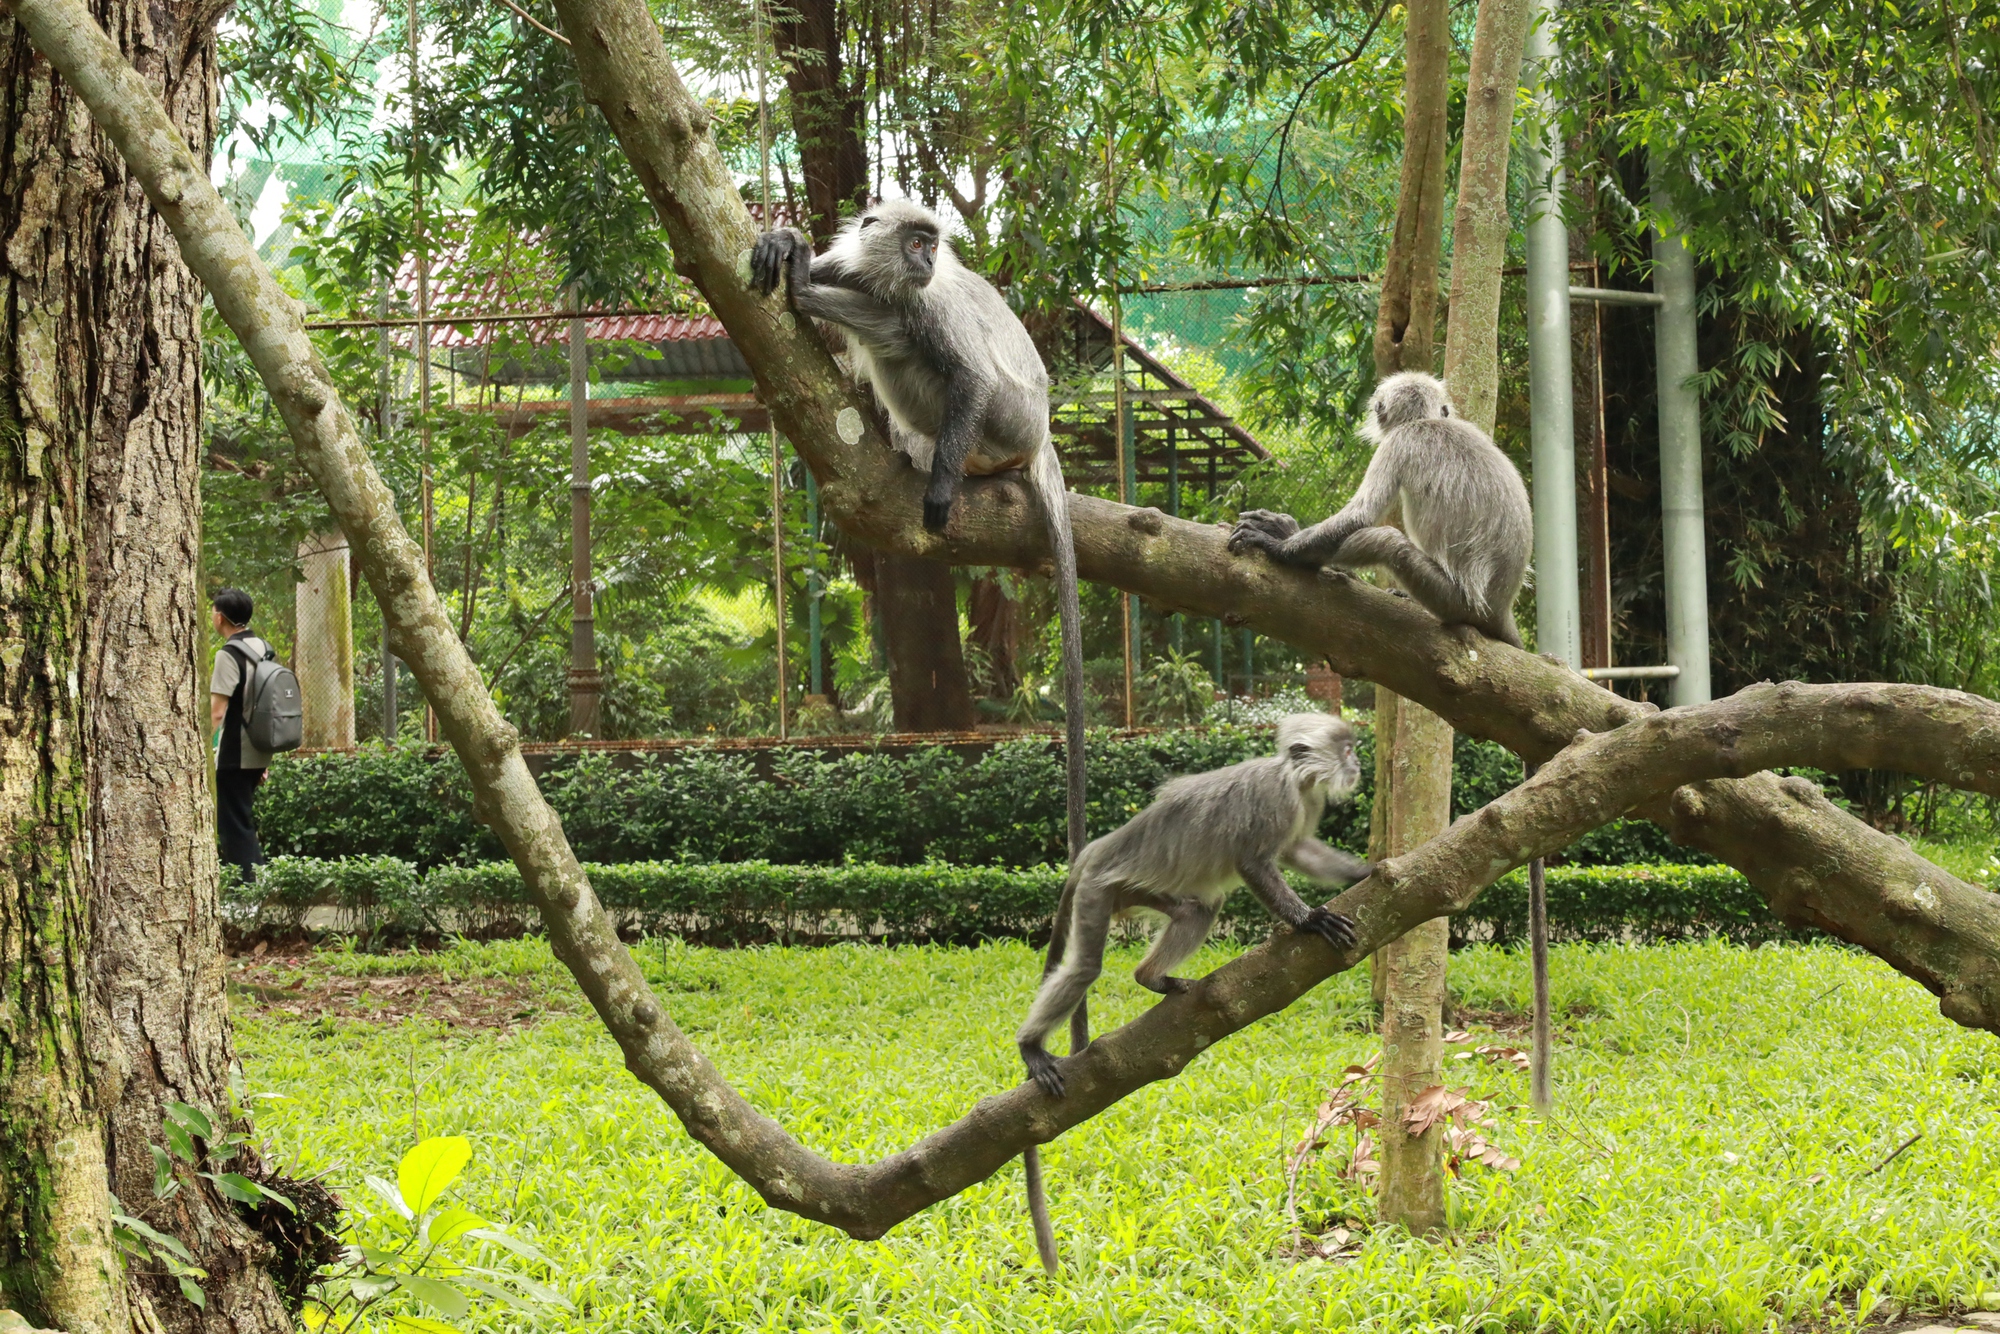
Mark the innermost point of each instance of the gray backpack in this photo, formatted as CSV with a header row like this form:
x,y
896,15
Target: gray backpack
x,y
274,718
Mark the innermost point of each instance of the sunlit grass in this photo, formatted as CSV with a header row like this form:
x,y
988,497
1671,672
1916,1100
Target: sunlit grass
x,y
1720,1111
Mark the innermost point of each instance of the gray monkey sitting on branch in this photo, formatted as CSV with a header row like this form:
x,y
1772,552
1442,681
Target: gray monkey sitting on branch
x,y
1469,531
1204,835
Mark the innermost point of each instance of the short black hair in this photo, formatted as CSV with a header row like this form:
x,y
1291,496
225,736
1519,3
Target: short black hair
x,y
234,604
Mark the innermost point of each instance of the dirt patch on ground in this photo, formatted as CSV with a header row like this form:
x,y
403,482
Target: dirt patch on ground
x,y
291,986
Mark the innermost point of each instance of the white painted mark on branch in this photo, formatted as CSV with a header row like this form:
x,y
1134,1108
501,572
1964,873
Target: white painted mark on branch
x,y
848,424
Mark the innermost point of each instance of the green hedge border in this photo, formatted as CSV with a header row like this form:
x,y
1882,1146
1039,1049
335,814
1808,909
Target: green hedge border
x,y
739,903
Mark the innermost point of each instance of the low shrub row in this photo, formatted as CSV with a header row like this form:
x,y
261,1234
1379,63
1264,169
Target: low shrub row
x,y
752,902
800,806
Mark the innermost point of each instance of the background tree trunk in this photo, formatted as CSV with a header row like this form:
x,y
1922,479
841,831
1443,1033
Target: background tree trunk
x,y
1412,745
111,318
927,680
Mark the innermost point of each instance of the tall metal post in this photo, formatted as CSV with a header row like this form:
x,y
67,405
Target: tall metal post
x,y
384,424
1128,491
1683,536
815,589
1558,629
586,685
1176,623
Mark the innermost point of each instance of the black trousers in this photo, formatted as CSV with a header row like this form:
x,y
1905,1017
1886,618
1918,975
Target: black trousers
x,y
235,825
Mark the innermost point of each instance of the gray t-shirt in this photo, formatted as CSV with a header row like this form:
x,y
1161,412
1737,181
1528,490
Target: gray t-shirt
x,y
233,750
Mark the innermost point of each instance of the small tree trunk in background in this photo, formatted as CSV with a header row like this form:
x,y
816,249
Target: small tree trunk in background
x,y
1412,745
918,603
996,628
323,638
103,349
1411,1185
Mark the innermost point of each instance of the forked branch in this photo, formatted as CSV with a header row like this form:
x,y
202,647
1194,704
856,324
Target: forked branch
x,y
1937,734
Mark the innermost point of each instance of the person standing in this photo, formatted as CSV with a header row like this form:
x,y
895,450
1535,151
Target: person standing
x,y
239,766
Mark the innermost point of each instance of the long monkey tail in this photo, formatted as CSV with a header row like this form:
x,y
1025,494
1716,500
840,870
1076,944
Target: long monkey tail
x,y
1045,476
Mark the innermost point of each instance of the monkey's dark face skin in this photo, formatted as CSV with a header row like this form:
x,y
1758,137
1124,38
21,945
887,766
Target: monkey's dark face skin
x,y
919,248
915,249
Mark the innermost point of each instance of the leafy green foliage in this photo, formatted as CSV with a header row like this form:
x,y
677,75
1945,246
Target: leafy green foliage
x,y
738,903
797,806
1707,1166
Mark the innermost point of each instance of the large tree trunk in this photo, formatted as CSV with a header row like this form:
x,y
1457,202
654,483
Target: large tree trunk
x,y
57,1263
111,318
918,603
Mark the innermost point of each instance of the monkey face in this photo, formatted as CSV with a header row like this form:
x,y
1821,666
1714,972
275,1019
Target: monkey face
x,y
919,247
1320,748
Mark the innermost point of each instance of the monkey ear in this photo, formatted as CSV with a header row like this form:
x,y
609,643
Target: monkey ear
x,y
868,221
1445,411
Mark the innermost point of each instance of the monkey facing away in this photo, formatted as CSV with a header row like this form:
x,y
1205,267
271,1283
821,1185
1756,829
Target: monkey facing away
x,y
966,393
1469,531
1204,835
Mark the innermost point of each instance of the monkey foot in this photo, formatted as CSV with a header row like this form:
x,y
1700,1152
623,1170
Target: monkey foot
x,y
1337,929
1042,1069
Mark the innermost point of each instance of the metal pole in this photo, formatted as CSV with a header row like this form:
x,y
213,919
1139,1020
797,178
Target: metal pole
x,y
1249,663
384,424
814,588
421,340
1596,543
1553,429
1680,457
1128,488
1176,623
584,683
777,450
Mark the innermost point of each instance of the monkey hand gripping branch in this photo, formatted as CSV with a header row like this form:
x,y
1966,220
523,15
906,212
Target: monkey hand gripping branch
x,y
1697,770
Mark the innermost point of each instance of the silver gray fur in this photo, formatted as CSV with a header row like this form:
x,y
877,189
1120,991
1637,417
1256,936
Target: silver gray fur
x,y
966,393
1465,512
1204,835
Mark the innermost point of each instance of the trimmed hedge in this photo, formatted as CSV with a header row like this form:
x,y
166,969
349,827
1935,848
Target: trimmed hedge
x,y
709,805
749,902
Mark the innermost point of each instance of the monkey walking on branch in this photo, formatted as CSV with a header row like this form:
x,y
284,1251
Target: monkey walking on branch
x,y
966,393
1465,513
1204,835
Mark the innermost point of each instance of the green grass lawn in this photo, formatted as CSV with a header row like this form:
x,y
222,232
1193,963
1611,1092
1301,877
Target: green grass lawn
x,y
1708,1168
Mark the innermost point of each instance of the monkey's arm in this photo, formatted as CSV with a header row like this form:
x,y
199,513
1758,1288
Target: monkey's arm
x,y
1327,865
1268,884
967,396
1280,537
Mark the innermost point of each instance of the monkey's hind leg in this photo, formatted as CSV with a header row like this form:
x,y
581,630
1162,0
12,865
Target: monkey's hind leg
x,y
1064,988
1188,923
1429,582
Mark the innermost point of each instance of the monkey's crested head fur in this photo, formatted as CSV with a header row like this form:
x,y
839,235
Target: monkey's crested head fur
x,y
1320,749
1403,398
898,247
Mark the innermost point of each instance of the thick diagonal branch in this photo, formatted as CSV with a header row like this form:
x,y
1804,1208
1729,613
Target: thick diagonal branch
x,y
1937,734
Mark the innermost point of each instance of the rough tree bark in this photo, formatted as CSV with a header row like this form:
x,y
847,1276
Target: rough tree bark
x,y
1815,863
1413,745
105,310
57,1263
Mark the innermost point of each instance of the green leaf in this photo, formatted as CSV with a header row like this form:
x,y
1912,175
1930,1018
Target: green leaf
x,y
194,1118
242,1189
181,1142
452,1223
152,1234
389,1193
428,1170
499,1294
423,1324
443,1296
541,1292
367,1289
164,1183
521,1248
192,1291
